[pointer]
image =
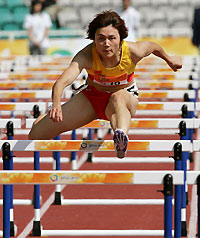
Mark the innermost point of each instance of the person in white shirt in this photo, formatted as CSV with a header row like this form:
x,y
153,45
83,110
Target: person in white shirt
x,y
37,23
132,19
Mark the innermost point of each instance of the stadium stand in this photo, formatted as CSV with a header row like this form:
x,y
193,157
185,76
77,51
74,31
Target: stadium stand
x,y
163,17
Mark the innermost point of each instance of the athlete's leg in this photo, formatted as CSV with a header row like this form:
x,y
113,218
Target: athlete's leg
x,y
121,107
76,112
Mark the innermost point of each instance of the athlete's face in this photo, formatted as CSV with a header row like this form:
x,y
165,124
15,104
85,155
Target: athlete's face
x,y
107,41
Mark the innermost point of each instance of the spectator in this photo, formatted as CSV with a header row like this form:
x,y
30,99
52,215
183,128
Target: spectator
x,y
196,28
37,23
132,19
52,8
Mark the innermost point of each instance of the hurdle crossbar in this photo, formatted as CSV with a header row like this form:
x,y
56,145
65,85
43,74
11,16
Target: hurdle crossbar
x,y
176,84
45,94
112,201
192,177
196,145
159,123
132,160
102,232
31,84
16,122
22,106
89,177
94,145
166,106
37,84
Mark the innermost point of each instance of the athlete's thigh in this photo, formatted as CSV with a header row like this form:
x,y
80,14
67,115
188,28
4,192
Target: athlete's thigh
x,y
76,112
132,103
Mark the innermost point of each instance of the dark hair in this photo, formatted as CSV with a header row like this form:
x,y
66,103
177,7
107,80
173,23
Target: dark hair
x,y
104,19
33,3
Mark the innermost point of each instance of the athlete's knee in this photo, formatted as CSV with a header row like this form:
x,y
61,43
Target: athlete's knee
x,y
32,135
34,132
117,98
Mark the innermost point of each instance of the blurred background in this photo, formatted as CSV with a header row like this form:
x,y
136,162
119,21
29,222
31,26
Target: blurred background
x,y
168,22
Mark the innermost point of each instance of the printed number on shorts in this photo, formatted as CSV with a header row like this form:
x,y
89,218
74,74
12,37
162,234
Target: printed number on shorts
x,y
115,83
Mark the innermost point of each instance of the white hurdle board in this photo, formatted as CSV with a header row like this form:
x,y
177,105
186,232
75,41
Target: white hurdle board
x,y
196,145
37,84
22,106
164,106
192,176
45,94
160,123
94,145
84,177
165,74
16,122
176,84
23,84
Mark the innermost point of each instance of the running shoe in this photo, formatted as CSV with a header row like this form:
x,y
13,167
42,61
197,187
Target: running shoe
x,y
120,141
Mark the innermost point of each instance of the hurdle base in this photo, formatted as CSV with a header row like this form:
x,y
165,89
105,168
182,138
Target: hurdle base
x,y
183,228
187,198
36,228
191,157
57,199
12,228
89,159
103,233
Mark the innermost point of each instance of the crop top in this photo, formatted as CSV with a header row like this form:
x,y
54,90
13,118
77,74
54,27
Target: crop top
x,y
119,75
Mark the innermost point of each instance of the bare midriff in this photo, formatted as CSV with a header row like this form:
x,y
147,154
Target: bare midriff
x,y
108,88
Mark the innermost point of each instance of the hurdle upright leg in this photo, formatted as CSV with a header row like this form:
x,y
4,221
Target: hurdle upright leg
x,y
198,194
57,166
10,134
36,200
168,192
177,205
6,192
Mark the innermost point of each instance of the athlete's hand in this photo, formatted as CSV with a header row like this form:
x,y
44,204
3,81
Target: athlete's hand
x,y
175,62
55,113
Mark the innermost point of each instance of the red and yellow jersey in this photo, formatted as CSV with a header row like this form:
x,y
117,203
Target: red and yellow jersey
x,y
118,75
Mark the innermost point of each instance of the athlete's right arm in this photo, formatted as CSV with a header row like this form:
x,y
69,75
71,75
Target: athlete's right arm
x,y
80,61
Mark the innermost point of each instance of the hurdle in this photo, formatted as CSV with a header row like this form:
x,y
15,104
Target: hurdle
x,y
91,146
103,177
180,75
155,106
23,84
167,84
46,94
21,107
53,75
160,68
177,125
158,107
47,84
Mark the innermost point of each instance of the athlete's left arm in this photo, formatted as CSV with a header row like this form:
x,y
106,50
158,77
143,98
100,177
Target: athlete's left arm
x,y
141,49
